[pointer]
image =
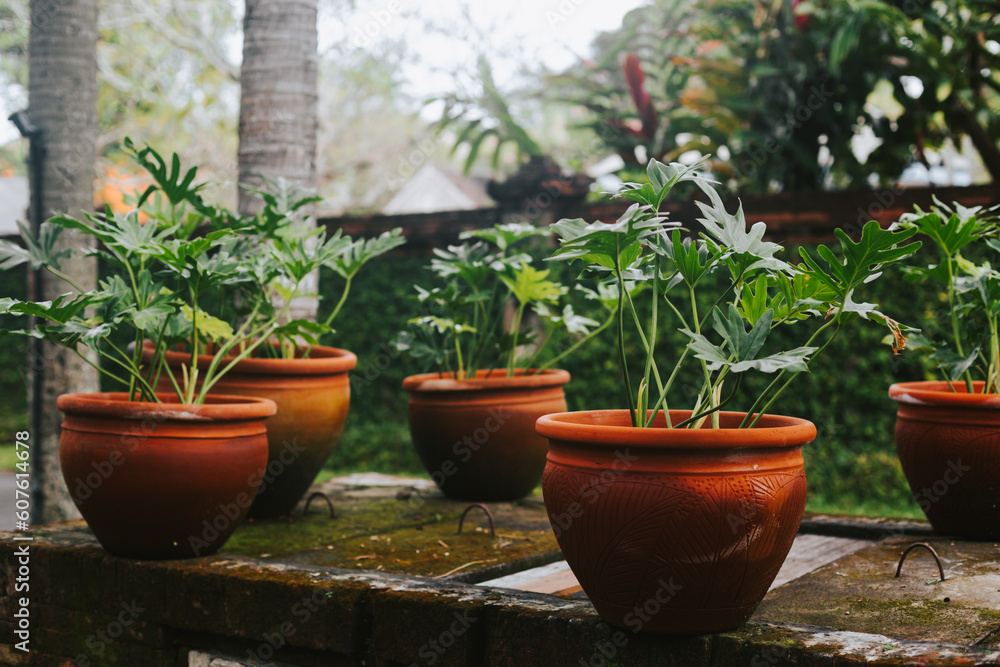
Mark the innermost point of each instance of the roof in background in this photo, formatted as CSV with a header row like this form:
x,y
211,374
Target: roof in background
x,y
435,188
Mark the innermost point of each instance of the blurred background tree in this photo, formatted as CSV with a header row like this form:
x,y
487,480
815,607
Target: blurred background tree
x,y
790,95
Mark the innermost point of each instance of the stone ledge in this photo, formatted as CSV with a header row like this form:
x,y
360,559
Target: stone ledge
x,y
260,608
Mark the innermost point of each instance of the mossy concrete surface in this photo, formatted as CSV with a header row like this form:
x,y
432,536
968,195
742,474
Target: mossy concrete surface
x,y
860,593
273,598
404,530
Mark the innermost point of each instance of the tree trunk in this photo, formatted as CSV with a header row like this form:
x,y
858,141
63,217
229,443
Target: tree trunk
x,y
278,97
62,99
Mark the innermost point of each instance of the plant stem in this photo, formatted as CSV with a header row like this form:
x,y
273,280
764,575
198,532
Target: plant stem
x,y
516,327
704,364
954,319
645,344
652,344
794,375
459,374
340,303
621,335
714,410
59,274
571,349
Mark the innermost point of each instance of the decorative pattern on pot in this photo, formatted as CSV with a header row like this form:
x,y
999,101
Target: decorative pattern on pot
x,y
674,530
313,396
476,437
949,446
163,480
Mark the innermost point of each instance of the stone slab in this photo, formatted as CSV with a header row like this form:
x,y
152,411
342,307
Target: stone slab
x,y
859,593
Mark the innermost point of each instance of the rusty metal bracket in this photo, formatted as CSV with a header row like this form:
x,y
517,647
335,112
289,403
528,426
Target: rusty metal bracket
x,y
937,559
489,515
319,494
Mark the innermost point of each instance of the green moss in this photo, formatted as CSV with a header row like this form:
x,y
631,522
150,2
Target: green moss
x,y
384,535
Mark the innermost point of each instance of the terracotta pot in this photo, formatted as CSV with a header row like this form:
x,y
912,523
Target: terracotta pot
x,y
674,530
949,445
476,437
313,396
162,480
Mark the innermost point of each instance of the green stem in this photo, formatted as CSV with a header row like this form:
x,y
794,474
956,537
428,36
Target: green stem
x,y
621,336
652,344
340,303
713,410
459,374
516,327
794,375
103,371
954,320
645,344
573,348
59,274
704,364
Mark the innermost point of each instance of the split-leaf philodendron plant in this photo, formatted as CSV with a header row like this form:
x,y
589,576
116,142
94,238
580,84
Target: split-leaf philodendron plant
x,y
643,250
973,292
464,329
187,275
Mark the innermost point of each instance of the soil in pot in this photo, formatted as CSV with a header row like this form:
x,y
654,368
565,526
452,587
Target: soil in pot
x,y
162,480
674,530
476,437
949,446
313,396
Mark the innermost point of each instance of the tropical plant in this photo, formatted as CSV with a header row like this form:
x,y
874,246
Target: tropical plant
x,y
972,292
778,90
483,116
464,330
643,249
187,276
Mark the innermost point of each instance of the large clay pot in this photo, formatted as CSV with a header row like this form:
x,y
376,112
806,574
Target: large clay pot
x,y
162,480
476,437
313,396
949,445
674,530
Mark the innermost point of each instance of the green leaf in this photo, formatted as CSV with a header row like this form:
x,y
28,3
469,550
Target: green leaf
x,y
506,235
742,346
862,260
358,253
208,326
528,285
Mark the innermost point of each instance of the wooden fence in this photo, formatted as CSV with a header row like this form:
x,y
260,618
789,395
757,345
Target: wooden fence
x,y
798,217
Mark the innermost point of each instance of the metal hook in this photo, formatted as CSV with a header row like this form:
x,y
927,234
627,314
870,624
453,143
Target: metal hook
x,y
489,515
899,568
319,494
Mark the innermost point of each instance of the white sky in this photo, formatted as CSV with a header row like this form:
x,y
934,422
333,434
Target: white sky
x,y
553,32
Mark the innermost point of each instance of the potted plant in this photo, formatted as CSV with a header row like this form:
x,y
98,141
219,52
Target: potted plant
x,y
308,382
678,520
472,419
157,474
948,431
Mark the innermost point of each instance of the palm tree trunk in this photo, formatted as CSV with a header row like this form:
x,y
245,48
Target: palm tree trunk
x,y
278,96
62,99
278,84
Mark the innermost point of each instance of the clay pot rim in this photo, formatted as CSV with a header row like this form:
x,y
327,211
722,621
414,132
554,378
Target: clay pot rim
x,y
498,380
323,360
613,428
937,393
115,404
